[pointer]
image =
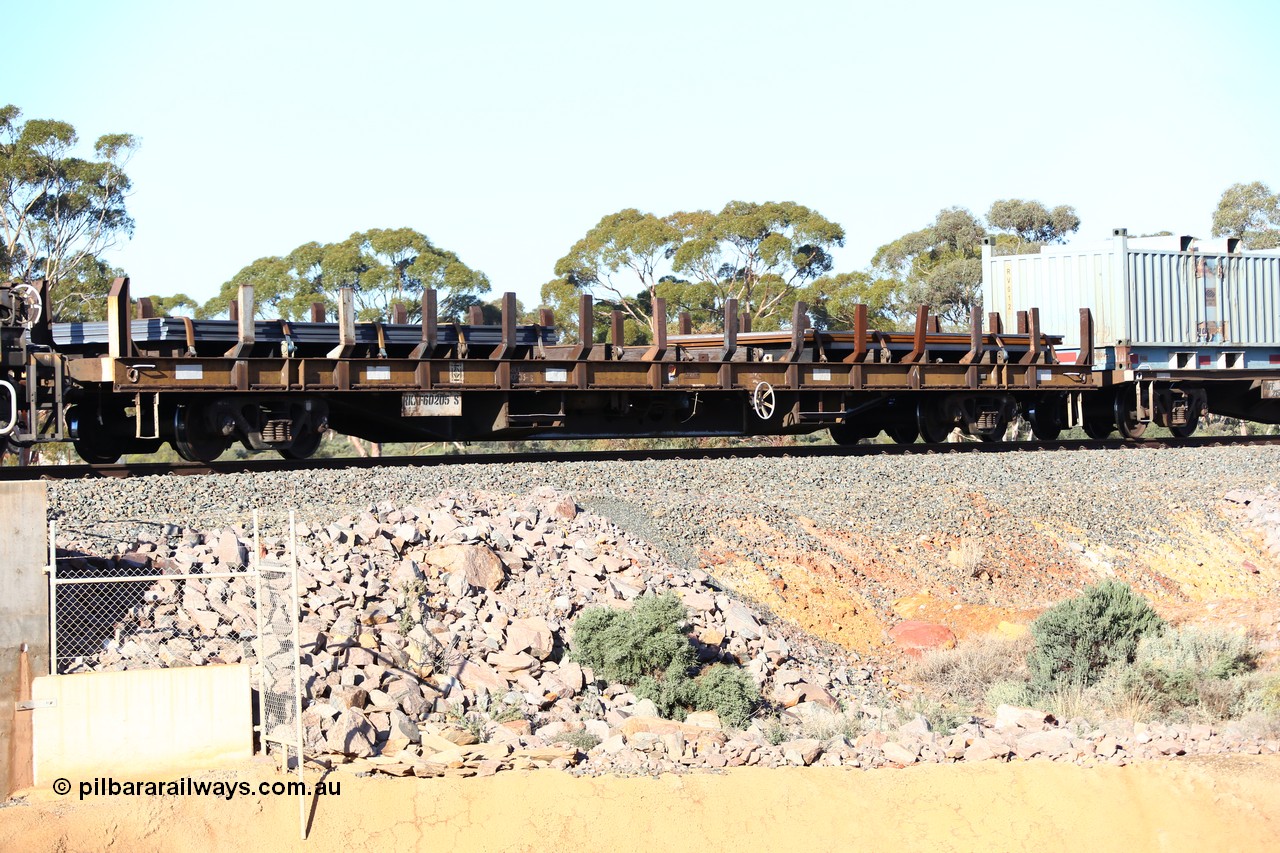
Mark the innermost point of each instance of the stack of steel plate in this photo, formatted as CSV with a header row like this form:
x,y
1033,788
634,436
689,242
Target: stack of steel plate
x,y
173,330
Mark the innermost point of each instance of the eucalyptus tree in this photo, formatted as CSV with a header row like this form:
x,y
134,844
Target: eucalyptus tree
x,y
1250,212
757,253
1031,224
382,266
58,211
625,253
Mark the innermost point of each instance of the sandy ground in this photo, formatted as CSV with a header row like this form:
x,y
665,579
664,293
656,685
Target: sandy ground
x,y
1221,803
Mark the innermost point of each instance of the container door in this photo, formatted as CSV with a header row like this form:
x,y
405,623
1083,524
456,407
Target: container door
x,y
1209,275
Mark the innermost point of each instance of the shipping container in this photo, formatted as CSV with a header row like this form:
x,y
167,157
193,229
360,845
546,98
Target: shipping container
x,y
1173,302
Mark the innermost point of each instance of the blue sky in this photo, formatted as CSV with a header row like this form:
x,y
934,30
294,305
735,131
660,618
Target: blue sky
x,y
504,131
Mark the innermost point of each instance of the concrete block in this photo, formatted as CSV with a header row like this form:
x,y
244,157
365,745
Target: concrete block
x,y
24,600
142,722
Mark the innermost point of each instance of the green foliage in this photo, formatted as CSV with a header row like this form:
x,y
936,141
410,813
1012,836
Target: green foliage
x,y
1201,654
939,265
59,211
1250,212
672,693
1031,223
1008,693
647,647
1078,639
581,740
383,266
757,253
728,691
627,645
832,300
1266,696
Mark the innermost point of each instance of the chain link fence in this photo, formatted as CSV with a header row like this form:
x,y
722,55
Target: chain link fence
x,y
127,613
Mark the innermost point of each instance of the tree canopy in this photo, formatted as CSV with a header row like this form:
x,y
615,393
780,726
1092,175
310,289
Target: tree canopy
x,y
58,211
1250,212
941,264
383,266
758,253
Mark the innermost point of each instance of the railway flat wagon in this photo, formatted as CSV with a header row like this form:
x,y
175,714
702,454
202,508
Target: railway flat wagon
x,y
1181,326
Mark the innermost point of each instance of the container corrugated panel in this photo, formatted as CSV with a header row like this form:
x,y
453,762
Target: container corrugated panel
x,y
1141,296
1059,284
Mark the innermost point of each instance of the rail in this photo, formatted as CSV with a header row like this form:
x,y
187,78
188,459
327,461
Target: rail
x,y
818,451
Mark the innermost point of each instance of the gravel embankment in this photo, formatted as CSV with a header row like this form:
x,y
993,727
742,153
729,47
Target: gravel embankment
x,y
1114,499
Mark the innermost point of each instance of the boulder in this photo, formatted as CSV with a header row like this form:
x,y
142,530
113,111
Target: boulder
x,y
351,734
477,564
915,637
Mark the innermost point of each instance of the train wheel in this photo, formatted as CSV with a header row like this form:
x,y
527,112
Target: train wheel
x,y
929,420
1126,417
846,434
305,445
903,433
1045,417
90,438
1098,429
1188,429
192,442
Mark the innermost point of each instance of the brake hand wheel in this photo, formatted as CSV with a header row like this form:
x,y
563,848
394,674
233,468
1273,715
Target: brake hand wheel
x,y
763,401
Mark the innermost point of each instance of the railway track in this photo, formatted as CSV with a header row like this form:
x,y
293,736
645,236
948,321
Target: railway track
x,y
818,451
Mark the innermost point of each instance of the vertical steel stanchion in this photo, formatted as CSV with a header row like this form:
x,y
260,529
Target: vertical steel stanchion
x,y
53,598
297,672
262,664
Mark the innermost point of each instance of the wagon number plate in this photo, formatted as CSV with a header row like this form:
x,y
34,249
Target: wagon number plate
x,y
1271,389
418,404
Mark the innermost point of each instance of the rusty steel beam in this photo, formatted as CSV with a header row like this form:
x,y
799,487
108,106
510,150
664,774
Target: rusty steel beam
x,y
475,315
730,329
685,324
919,350
1035,352
859,353
317,312
616,327
427,346
246,330
1085,357
119,332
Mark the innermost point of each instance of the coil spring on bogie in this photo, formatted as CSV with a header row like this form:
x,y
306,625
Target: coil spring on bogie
x,y
1178,414
278,431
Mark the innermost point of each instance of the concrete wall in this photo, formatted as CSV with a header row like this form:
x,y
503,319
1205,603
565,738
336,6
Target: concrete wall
x,y
24,598
146,723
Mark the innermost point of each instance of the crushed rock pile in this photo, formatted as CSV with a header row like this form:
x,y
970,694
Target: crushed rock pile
x,y
434,642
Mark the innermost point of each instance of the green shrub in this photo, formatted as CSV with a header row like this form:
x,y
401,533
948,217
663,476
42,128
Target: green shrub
x,y
581,740
673,692
1078,639
646,647
1197,654
730,692
1013,693
627,645
1265,697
